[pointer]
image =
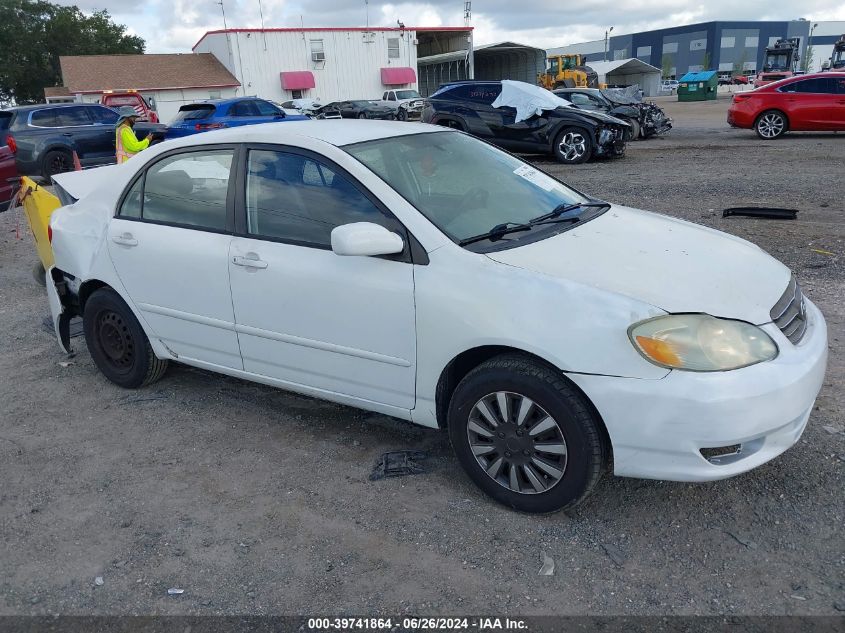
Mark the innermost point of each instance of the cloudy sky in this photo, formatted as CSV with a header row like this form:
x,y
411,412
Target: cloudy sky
x,y
176,25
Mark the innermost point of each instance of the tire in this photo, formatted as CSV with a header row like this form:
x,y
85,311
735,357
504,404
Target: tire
x,y
56,161
39,274
573,145
771,124
635,132
403,115
117,343
362,115
574,459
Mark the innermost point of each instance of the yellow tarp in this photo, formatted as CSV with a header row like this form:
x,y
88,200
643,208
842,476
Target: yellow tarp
x,y
38,205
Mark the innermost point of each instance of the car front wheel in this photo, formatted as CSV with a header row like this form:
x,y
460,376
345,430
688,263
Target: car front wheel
x,y
573,145
525,436
117,342
771,124
634,132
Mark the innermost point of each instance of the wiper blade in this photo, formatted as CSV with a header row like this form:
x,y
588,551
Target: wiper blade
x,y
497,232
565,208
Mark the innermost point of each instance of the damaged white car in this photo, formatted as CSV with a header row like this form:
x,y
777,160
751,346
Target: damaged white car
x,y
424,274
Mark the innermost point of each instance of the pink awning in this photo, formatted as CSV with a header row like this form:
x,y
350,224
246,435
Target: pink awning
x,y
398,76
297,80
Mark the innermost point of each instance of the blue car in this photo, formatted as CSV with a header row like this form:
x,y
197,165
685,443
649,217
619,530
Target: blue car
x,y
219,113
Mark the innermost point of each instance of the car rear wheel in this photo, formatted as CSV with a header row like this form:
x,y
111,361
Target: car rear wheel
x,y
573,145
362,115
525,436
117,343
56,161
771,124
634,132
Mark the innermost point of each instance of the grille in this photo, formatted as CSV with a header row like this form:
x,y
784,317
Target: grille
x,y
790,314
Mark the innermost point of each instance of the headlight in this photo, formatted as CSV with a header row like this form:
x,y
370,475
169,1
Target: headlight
x,y
699,342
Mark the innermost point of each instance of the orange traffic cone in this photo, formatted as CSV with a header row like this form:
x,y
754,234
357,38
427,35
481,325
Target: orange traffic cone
x,y
77,166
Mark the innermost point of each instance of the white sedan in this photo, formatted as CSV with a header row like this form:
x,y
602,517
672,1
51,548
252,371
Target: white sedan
x,y
426,275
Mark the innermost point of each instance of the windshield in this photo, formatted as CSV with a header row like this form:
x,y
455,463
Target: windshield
x,y
194,112
465,186
407,94
777,61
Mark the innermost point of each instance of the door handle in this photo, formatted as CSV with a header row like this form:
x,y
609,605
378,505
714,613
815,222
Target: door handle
x,y
250,261
124,240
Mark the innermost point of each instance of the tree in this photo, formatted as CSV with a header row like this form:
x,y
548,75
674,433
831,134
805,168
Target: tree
x,y
706,61
739,64
666,62
35,33
808,59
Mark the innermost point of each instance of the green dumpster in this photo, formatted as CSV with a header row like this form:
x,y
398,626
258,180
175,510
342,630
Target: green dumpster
x,y
700,86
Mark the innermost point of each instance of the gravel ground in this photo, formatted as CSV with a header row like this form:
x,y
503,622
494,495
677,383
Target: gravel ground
x,y
258,501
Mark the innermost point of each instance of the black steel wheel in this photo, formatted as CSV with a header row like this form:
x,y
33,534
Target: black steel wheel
x,y
117,342
403,114
56,161
525,435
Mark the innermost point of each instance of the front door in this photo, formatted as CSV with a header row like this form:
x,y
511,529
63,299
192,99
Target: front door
x,y
170,246
341,325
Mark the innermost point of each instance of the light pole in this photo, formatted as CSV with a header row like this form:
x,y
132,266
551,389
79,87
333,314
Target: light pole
x,y
606,33
808,56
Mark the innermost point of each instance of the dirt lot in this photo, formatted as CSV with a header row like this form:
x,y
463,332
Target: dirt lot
x,y
254,500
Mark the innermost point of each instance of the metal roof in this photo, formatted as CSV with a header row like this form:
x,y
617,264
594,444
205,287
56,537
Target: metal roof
x,y
704,75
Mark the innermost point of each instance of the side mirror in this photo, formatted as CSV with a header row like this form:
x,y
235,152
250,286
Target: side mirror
x,y
365,239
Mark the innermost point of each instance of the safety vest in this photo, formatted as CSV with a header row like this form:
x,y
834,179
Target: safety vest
x,y
122,154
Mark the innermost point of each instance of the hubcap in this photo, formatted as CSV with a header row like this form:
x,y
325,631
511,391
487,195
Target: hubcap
x,y
572,146
771,125
517,443
115,340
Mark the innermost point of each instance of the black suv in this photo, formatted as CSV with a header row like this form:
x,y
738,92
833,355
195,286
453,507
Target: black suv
x,y
44,137
571,135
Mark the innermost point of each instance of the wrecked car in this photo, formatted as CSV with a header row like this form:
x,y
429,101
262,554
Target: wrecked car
x,y
421,273
524,118
645,119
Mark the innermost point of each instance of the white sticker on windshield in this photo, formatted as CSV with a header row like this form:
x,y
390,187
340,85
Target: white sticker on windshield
x,y
535,177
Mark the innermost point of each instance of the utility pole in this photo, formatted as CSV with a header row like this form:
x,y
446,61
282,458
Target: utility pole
x,y
606,33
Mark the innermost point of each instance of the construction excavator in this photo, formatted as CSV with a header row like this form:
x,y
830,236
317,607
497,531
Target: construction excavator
x,y
567,71
837,58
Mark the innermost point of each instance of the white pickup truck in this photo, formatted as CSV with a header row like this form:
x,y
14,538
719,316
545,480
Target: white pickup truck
x,y
407,103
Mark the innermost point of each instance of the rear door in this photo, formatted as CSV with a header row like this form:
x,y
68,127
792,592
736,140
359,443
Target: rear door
x,y
104,123
86,135
809,103
838,109
170,246
241,113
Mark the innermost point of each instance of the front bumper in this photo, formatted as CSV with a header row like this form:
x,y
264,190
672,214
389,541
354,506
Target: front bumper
x,y
658,427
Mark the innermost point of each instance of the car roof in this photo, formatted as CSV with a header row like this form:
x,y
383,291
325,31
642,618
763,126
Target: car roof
x,y
337,132
40,106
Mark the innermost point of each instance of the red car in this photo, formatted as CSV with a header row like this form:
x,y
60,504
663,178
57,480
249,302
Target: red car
x,y
803,103
8,176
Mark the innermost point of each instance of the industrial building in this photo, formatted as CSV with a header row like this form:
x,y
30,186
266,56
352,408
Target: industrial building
x,y
723,46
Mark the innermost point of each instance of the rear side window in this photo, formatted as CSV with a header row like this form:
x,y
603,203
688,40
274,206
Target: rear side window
x,y
816,86
5,120
187,189
72,116
44,118
243,108
194,112
104,115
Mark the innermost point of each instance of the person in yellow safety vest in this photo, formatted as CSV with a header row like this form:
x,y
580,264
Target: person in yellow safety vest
x,y
125,141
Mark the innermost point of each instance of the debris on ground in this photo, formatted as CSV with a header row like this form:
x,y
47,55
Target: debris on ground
x,y
548,564
99,581
772,213
614,553
398,464
66,363
175,591
742,540
831,429
821,251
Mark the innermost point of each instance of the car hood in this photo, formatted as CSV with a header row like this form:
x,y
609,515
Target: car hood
x,y
671,264
601,117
